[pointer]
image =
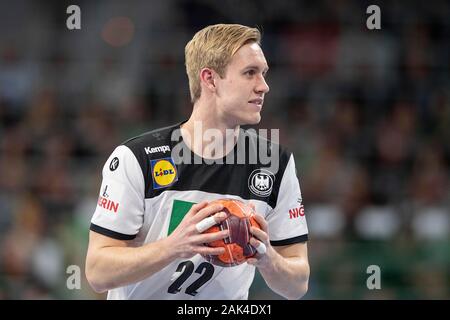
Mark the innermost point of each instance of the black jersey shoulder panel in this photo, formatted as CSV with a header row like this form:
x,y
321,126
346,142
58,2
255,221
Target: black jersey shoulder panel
x,y
222,178
151,145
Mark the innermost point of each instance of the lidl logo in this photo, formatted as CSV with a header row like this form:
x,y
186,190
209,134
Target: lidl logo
x,y
164,173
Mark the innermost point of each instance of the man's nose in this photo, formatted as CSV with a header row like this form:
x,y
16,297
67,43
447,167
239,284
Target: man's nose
x,y
262,87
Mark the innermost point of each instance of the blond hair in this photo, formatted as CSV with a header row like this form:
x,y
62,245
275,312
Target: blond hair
x,y
213,47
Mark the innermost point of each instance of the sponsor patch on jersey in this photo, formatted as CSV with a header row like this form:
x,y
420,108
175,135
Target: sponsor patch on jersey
x,y
114,164
163,149
164,173
110,197
297,212
260,182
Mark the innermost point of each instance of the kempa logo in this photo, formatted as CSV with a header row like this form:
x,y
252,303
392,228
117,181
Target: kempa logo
x,y
163,149
114,164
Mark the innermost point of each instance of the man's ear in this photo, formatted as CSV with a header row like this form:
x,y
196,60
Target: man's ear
x,y
207,78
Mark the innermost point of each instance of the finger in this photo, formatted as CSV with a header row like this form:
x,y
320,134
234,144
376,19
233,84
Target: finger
x,y
220,216
259,246
210,237
205,224
259,234
196,208
206,212
261,221
204,250
208,222
252,206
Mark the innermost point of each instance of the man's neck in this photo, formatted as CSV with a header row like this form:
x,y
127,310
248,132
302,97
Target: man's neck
x,y
207,135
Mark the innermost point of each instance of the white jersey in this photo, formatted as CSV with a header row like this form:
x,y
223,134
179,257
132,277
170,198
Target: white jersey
x,y
145,194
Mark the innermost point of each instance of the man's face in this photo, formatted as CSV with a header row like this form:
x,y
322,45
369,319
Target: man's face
x,y
240,94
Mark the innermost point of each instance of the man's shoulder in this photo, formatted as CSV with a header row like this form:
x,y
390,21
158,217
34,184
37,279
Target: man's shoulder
x,y
154,141
265,138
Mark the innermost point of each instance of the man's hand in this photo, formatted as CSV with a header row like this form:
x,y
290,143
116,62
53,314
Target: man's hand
x,y
186,241
284,268
261,239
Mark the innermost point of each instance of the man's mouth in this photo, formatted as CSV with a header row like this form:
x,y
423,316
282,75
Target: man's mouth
x,y
259,102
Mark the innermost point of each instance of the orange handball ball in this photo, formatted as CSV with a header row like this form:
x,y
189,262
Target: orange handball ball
x,y
237,245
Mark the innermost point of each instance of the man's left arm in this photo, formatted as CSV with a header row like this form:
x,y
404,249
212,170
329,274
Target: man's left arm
x,y
284,268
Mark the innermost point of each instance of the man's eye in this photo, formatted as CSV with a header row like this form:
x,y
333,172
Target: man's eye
x,y
250,72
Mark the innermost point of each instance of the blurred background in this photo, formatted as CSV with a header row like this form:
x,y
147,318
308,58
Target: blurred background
x,y
366,112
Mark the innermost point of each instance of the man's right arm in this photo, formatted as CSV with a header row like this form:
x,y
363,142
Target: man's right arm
x,y
112,263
